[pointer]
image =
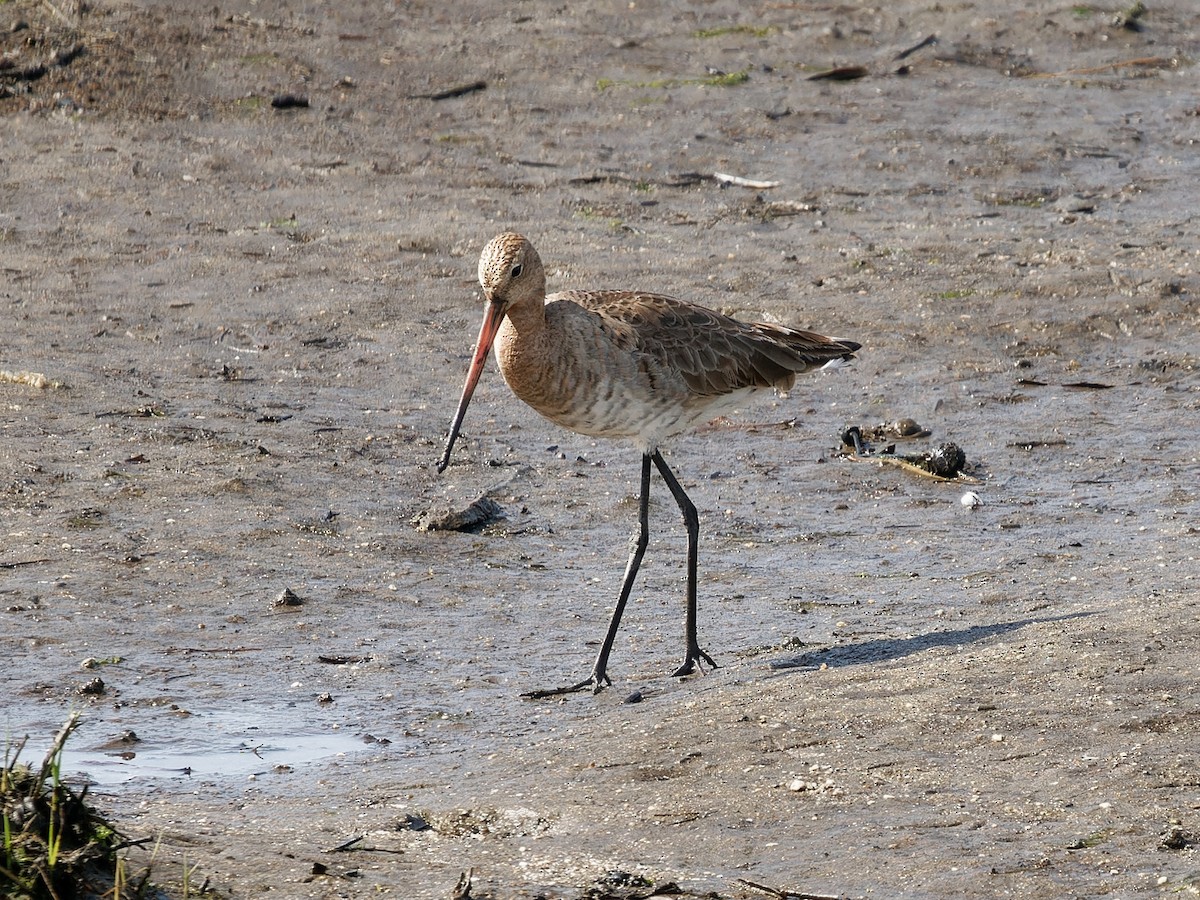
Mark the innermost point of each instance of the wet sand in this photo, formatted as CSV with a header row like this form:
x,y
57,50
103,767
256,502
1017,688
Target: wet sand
x,y
253,325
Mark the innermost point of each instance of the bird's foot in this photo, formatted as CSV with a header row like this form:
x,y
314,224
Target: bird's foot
x,y
691,663
596,681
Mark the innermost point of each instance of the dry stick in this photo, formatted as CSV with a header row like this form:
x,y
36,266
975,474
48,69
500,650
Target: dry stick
x,y
16,752
24,562
452,92
60,739
212,649
132,842
743,182
927,42
49,884
685,179
346,846
787,895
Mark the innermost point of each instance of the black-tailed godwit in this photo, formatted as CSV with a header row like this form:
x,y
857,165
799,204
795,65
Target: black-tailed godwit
x,y
627,364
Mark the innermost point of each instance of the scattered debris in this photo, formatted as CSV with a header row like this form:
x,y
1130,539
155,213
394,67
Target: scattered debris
x,y
482,511
30,379
412,822
324,525
145,411
93,688
786,894
1175,838
93,663
498,823
899,429
617,884
945,462
288,597
1131,18
971,500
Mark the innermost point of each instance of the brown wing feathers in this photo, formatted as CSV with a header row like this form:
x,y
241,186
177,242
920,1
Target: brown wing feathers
x,y
715,354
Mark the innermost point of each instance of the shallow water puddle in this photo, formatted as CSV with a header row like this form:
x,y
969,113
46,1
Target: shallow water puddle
x,y
211,744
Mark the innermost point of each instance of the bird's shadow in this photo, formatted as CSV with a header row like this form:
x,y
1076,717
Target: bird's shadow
x,y
896,648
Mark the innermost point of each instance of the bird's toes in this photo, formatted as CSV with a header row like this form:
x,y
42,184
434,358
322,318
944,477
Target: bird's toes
x,y
692,664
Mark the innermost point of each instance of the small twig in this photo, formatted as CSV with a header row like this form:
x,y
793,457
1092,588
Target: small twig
x,y
687,179
212,649
24,562
744,182
60,739
786,894
928,41
447,94
15,750
132,842
41,870
349,845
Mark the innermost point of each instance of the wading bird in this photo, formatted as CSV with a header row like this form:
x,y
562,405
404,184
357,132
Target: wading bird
x,y
627,364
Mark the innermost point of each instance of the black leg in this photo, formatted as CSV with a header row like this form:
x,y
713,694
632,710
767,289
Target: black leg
x,y
599,677
692,652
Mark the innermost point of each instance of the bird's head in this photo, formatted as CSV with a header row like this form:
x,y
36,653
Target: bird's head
x,y
511,271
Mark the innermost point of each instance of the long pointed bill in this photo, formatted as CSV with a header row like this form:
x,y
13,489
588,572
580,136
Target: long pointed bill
x,y
487,334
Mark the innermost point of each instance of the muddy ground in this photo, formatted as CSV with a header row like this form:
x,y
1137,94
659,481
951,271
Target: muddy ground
x,y
253,323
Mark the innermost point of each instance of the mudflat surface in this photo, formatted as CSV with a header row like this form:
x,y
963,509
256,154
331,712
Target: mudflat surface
x,y
252,325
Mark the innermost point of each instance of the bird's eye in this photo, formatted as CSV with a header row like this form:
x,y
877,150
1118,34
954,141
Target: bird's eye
x,y
516,271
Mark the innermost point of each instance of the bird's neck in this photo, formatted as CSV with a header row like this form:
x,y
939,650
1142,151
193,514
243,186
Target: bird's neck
x,y
528,318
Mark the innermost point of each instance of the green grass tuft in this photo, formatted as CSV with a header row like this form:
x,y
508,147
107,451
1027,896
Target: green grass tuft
x,y
55,844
